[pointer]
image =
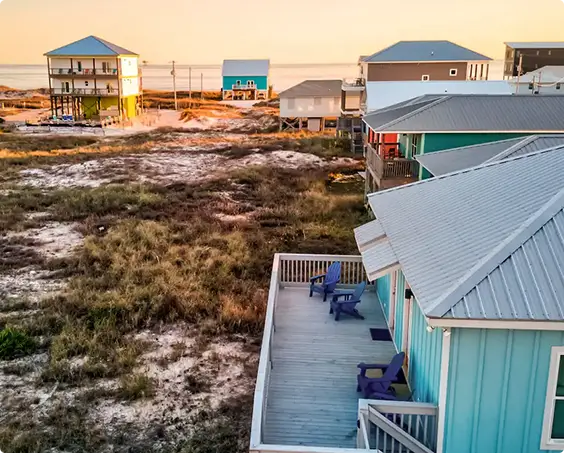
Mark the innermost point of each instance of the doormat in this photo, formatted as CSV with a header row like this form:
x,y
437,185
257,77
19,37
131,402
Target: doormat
x,y
380,335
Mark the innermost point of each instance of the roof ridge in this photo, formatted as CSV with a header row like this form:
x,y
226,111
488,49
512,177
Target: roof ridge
x,y
413,112
498,255
466,170
512,149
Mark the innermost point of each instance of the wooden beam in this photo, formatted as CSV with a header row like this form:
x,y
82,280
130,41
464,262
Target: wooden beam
x,y
120,105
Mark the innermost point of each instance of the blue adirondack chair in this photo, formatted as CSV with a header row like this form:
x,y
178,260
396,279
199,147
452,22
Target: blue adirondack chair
x,y
327,282
380,388
345,302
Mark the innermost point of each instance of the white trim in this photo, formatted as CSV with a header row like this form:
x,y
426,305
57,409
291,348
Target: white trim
x,y
407,317
301,449
453,72
393,295
383,271
547,443
443,390
431,61
425,78
491,324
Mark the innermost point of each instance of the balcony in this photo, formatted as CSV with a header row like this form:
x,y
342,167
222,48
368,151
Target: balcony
x,y
358,84
84,92
305,398
244,87
391,172
68,72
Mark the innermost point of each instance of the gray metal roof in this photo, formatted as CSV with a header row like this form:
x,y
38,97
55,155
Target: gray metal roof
x,y
89,46
477,113
381,118
450,232
245,68
455,159
428,51
545,75
308,88
536,45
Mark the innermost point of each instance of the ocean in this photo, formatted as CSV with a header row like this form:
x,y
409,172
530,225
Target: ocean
x,y
158,77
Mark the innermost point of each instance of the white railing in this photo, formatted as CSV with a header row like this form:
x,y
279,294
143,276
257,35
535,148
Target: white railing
x,y
362,440
293,270
400,426
243,87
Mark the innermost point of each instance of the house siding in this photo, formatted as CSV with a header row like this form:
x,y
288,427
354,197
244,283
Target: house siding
x,y
497,389
261,82
400,303
425,349
383,289
383,72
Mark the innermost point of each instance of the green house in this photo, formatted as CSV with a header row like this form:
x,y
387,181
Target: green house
x,y
396,135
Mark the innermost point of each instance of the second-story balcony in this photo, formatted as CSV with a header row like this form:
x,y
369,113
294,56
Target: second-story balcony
x,y
74,72
84,92
391,171
240,86
358,84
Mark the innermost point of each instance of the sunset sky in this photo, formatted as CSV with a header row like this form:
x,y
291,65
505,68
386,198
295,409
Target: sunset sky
x,y
289,31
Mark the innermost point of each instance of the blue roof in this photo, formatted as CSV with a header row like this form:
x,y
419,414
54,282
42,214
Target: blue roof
x,y
90,46
433,51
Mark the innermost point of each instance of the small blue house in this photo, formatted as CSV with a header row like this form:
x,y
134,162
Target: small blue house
x,y
245,80
470,275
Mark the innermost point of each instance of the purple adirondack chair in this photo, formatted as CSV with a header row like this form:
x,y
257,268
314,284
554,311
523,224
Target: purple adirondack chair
x,y
380,388
345,302
328,281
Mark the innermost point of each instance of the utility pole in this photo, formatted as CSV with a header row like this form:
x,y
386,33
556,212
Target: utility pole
x,y
190,84
202,86
173,74
519,71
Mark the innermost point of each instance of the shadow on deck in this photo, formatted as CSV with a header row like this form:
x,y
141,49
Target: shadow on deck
x,y
312,398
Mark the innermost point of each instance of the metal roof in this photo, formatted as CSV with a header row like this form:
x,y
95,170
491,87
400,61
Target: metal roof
x,y
308,88
89,46
383,94
536,45
245,68
428,51
476,113
451,232
455,159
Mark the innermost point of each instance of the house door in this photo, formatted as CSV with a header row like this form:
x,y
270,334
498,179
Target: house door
x,y
66,87
314,124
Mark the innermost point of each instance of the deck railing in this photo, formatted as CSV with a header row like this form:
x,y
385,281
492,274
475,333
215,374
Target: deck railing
x,y
400,427
84,71
397,168
85,91
293,270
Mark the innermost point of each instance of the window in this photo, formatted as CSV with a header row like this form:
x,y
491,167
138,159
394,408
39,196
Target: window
x,y
425,78
317,101
453,72
105,67
291,103
550,52
557,86
553,426
237,82
251,83
86,83
79,66
415,139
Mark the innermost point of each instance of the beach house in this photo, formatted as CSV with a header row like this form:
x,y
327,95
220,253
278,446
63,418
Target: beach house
x,y
545,80
407,61
245,80
313,105
468,270
531,56
93,79
437,122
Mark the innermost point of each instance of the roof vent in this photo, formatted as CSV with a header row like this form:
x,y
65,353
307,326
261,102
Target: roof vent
x,y
432,52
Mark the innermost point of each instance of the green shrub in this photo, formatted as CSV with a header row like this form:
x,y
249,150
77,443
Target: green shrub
x,y
15,343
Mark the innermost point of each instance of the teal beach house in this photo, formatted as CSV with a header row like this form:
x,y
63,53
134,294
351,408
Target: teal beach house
x,y
245,80
470,275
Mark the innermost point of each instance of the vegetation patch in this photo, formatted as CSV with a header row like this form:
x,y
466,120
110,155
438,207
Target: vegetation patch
x,y
15,343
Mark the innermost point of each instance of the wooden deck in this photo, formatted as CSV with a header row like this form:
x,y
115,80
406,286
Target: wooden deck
x,y
312,398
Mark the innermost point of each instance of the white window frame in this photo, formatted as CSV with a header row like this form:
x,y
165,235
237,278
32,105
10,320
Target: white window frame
x,y
547,443
425,77
250,83
453,72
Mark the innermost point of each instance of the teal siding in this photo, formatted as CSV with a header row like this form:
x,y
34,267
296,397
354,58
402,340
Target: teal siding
x,y
497,390
425,348
261,82
383,289
400,302
438,142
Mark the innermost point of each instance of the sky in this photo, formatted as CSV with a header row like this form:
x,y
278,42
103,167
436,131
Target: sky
x,y
287,31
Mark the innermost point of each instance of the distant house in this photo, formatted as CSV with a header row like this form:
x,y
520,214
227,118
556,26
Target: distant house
x,y
246,80
93,78
532,55
314,105
545,80
447,161
437,122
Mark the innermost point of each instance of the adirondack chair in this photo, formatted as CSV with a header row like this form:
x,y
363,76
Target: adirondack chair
x,y
327,282
345,302
380,388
